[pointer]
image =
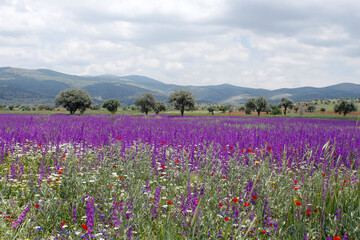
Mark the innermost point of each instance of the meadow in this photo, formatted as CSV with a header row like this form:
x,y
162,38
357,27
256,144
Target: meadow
x,y
170,177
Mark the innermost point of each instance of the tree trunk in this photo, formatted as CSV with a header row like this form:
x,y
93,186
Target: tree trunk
x,y
182,111
258,113
285,111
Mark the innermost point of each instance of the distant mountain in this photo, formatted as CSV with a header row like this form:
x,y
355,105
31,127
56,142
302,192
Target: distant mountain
x,y
24,86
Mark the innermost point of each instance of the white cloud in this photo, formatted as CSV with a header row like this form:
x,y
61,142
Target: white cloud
x,y
251,43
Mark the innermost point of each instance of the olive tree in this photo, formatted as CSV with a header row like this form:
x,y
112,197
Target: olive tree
x,y
74,99
112,106
182,100
257,104
159,107
146,102
286,103
345,107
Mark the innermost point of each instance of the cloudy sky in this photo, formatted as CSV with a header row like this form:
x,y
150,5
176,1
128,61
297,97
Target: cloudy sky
x,y
250,43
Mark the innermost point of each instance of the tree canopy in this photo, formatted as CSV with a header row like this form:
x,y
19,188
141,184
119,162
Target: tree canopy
x,y
111,105
146,102
74,99
257,104
344,107
182,100
286,103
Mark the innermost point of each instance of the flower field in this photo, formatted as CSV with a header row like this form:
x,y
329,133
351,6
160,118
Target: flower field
x,y
167,177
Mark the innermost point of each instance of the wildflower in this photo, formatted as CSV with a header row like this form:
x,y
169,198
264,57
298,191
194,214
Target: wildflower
x,y
308,212
295,182
63,223
246,204
114,166
163,167
263,231
84,227
40,144
120,177
235,200
268,148
119,138
170,202
227,219
37,206
337,238
254,197
220,205
176,160
60,172
298,203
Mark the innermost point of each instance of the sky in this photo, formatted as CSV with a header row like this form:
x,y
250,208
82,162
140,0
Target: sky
x,y
249,43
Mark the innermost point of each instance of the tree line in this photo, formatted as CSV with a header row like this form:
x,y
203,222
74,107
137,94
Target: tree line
x,y
184,100
79,99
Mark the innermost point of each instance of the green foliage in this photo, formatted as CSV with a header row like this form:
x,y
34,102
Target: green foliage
x,y
343,106
211,110
286,103
182,100
111,105
146,102
74,99
257,104
322,109
275,111
311,108
159,107
223,108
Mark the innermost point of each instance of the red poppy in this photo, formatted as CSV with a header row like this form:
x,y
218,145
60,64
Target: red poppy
x,y
341,188
324,175
308,212
120,177
163,167
57,180
224,148
288,165
40,144
254,197
60,172
235,200
63,223
298,203
220,205
344,180
110,186
337,238
84,227
227,219
176,160
37,206
150,199
295,182
170,202
263,231
296,188
231,148
64,156
212,174
224,177
196,201
269,148
335,153
246,204
119,138
249,150
114,166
